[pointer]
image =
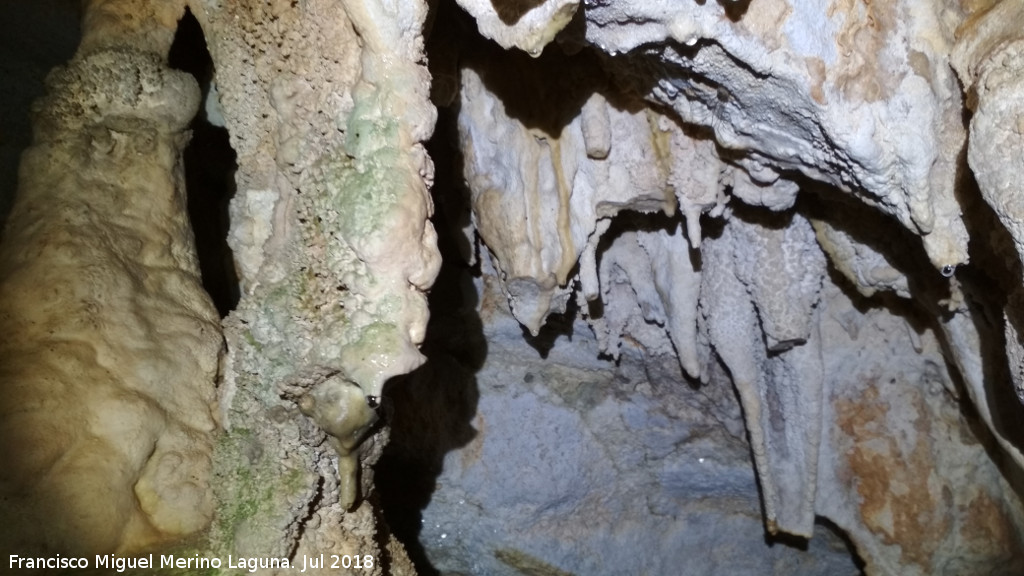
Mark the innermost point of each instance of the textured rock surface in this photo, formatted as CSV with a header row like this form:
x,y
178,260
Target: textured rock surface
x,y
109,342
570,464
989,60
730,290
871,106
758,301
901,471
326,107
579,465
773,138
113,387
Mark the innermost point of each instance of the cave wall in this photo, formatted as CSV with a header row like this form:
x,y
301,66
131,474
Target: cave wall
x,y
807,228
730,285
147,418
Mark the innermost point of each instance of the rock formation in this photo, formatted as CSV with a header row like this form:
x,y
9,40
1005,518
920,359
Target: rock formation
x,y
728,287
110,345
784,137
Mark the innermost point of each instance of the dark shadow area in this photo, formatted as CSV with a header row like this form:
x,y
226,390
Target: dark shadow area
x,y
992,285
209,173
555,326
901,249
35,37
838,534
783,539
431,410
735,9
511,11
994,280
547,92
884,234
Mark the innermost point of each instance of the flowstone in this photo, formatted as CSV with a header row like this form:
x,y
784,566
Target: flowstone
x,y
326,108
110,344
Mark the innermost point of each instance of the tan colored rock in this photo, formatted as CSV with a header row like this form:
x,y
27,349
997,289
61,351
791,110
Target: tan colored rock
x,y
110,343
924,500
543,171
327,107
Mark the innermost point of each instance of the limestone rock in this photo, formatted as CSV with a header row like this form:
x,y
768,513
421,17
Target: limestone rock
x,y
890,137
582,466
989,57
758,297
525,24
539,183
792,110
921,503
327,109
110,343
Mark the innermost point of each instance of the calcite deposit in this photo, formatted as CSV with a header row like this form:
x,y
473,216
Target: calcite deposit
x,y
109,342
132,416
786,140
326,109
729,287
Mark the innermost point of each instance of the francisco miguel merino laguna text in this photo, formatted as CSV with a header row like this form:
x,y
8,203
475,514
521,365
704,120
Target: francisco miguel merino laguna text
x,y
122,563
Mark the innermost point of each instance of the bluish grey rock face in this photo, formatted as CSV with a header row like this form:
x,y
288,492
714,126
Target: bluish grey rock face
x,y
582,466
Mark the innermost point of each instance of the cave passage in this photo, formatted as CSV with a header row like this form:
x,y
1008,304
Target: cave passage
x,y
209,171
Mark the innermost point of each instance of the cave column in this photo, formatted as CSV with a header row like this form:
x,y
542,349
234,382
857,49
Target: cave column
x,y
326,104
109,343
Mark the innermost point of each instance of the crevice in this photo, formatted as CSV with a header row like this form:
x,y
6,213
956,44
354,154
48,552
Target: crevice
x,y
434,406
210,165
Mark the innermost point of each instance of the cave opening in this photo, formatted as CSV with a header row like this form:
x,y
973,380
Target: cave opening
x,y
210,165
